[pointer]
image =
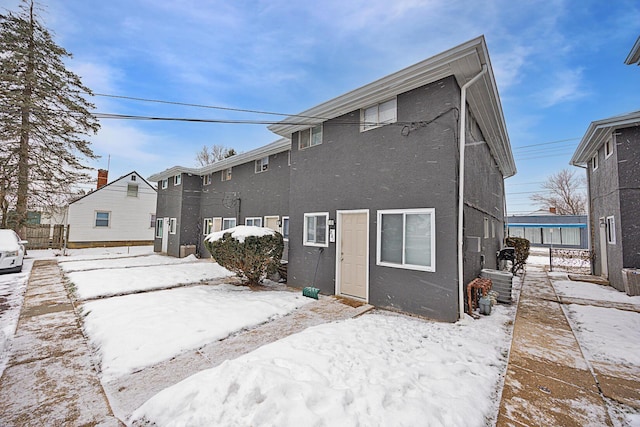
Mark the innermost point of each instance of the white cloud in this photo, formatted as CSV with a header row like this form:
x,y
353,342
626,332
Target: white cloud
x,y
567,86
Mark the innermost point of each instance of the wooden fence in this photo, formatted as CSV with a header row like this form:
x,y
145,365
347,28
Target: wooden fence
x,y
45,236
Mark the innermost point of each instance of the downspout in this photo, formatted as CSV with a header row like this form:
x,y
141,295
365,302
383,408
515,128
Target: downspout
x,y
463,141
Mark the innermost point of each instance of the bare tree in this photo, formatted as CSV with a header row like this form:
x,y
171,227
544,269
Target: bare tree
x,y
215,153
564,191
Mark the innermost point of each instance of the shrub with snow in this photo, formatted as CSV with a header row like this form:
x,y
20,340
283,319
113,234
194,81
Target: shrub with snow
x,y
248,251
521,247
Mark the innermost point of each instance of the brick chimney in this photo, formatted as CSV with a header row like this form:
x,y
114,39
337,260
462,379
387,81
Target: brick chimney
x,y
552,209
103,178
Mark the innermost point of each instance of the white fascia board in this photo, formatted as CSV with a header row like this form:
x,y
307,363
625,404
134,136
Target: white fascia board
x,y
597,133
276,147
634,55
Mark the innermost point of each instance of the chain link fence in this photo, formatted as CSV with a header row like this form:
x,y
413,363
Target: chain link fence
x,y
576,261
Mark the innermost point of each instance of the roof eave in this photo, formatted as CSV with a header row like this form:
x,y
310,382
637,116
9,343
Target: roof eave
x,y
634,55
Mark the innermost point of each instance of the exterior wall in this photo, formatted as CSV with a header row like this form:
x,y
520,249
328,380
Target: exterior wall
x,y
189,227
605,201
169,206
129,220
390,167
627,150
248,194
484,198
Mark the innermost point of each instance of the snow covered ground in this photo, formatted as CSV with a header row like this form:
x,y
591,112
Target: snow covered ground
x,y
378,369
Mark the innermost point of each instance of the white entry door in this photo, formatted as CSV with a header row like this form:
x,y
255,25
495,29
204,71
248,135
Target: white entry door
x,y
353,254
165,235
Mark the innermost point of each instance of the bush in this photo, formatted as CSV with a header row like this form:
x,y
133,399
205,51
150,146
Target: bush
x,y
521,247
252,258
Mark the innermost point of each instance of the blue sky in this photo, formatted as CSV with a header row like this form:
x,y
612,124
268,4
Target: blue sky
x,y
559,65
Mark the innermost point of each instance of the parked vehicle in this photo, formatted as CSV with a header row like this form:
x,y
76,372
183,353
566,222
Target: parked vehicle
x,y
12,251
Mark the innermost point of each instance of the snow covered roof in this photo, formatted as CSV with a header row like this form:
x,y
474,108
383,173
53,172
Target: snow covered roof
x,y
463,62
597,134
275,147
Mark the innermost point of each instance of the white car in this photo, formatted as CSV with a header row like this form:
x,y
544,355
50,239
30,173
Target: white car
x,y
11,251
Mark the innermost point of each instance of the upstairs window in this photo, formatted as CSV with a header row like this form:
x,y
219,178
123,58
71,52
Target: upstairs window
x,y
133,177
310,137
177,180
262,164
102,219
132,190
379,115
206,180
226,175
165,183
594,162
608,148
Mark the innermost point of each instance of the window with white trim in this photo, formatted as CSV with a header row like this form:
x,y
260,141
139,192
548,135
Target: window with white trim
x,y
159,226
165,183
493,229
206,179
486,227
594,162
228,223
133,177
207,225
611,230
226,174
406,239
316,232
285,227
379,115
152,222
173,222
262,164
608,148
177,180
102,219
255,222
132,190
310,137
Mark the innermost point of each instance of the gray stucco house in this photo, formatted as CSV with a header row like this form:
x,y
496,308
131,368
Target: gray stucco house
x,y
610,151
393,192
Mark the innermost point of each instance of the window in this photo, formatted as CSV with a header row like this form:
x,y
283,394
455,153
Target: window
x,y
611,230
533,234
226,174
378,115
172,225
228,223
570,236
159,225
285,227
152,222
608,148
406,239
206,180
133,177
177,180
310,137
256,222
316,231
132,190
262,164
486,227
207,226
551,236
102,219
594,162
493,229
165,183
516,232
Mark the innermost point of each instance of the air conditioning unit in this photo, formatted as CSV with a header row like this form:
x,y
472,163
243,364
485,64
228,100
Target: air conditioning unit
x,y
501,282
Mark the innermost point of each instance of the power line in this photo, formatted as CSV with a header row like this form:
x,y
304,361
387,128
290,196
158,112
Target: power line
x,y
546,143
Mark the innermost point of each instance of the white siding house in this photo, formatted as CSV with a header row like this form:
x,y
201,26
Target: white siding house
x,y
117,214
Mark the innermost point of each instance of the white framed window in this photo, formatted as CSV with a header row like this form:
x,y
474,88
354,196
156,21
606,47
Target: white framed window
x,y
207,226
165,183
177,180
132,190
611,230
152,220
173,225
486,227
262,164
206,179
310,137
226,175
379,115
316,232
103,219
255,222
594,162
159,226
289,158
228,223
133,178
285,227
407,239
493,229
608,148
